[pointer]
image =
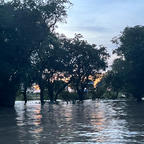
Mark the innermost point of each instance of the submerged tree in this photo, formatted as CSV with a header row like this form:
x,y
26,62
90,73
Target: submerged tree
x,y
85,60
31,51
131,52
113,80
48,64
24,25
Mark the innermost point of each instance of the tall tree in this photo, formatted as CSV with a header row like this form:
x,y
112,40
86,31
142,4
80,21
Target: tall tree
x,y
24,25
48,63
85,60
131,52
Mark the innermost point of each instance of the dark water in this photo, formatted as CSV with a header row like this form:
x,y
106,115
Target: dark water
x,y
99,122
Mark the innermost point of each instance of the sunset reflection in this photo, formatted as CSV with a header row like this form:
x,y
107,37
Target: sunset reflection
x,y
29,122
67,113
38,130
93,122
37,115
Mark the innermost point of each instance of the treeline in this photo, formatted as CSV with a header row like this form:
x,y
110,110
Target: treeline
x,y
32,52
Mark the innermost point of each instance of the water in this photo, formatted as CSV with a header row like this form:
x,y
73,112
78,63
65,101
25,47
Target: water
x,y
93,122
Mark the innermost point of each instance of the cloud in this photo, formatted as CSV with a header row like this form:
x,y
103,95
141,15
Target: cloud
x,y
92,29
100,20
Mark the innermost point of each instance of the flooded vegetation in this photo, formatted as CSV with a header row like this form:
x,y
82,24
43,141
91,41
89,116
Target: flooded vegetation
x,y
111,121
70,90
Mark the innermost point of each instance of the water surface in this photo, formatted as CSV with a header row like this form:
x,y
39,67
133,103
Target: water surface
x,y
93,122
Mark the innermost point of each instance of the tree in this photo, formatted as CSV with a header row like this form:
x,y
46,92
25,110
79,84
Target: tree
x,y
14,52
114,79
131,52
85,60
24,25
48,63
46,60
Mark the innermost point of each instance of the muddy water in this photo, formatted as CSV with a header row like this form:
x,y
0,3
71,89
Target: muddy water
x,y
93,122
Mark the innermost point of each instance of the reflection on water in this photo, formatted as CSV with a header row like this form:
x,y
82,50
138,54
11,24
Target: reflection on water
x,y
100,122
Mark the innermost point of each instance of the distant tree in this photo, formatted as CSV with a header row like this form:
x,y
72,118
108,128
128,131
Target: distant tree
x,y
48,63
85,60
131,52
114,79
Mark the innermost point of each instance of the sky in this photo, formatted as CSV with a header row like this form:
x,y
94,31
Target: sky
x,y
101,20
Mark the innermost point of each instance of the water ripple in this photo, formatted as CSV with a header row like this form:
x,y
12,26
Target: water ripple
x,y
100,122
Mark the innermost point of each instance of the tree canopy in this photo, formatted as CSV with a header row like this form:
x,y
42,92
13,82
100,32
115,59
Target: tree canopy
x,y
130,66
32,52
85,60
24,26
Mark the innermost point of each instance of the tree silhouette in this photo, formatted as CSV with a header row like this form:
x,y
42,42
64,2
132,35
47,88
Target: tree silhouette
x,y
131,52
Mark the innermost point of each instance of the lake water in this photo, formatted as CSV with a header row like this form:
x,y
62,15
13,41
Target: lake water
x,y
93,122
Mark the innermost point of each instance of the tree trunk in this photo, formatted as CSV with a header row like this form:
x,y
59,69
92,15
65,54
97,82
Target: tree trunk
x,y
117,93
7,96
42,95
137,95
139,99
80,93
51,93
62,88
24,94
7,100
